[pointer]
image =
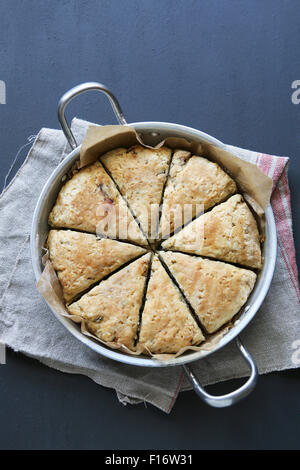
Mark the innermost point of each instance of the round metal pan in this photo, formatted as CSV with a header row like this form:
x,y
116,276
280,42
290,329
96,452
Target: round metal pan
x,y
152,132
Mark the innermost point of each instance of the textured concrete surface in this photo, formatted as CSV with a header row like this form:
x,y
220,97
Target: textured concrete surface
x,y
222,66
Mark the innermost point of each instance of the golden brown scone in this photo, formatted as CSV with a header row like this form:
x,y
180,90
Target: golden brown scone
x,y
89,201
228,232
215,290
112,308
140,174
167,324
81,259
193,182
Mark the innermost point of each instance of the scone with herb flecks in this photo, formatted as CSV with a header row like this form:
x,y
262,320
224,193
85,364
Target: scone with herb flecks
x,y
228,233
81,259
90,202
111,309
167,323
215,290
140,174
194,185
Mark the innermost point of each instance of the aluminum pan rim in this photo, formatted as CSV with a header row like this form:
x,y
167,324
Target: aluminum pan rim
x,y
261,288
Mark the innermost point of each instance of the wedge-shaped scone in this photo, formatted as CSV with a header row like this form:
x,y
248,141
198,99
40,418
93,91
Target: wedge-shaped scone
x,y
194,185
140,174
167,324
228,232
215,290
90,201
112,308
81,259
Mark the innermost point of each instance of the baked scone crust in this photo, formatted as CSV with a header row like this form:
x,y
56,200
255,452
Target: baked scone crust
x,y
90,202
167,324
81,259
140,174
169,300
112,308
215,290
228,232
194,181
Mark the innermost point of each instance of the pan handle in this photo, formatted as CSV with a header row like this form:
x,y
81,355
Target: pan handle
x,y
77,90
231,398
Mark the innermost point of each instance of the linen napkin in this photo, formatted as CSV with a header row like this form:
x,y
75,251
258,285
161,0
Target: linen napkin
x,y
27,325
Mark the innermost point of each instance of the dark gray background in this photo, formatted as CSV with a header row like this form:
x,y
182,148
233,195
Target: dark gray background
x,y
222,66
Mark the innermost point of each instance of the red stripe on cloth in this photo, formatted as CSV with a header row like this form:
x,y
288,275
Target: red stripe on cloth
x,y
265,163
285,235
281,163
176,391
289,271
287,190
280,202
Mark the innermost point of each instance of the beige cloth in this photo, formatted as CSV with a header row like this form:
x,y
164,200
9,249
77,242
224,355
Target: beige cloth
x,y
27,325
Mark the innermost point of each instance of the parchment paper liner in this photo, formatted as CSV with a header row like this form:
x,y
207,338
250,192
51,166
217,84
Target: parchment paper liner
x,y
255,186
